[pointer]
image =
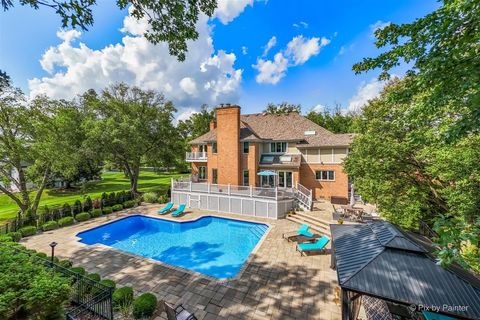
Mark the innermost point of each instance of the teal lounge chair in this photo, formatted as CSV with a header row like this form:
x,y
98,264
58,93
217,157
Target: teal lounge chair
x,y
165,209
179,210
300,233
318,245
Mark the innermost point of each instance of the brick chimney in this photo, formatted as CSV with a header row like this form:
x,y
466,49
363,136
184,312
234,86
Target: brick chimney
x,y
213,124
228,144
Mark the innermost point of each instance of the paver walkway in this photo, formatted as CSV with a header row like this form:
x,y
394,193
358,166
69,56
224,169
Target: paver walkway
x,y
277,282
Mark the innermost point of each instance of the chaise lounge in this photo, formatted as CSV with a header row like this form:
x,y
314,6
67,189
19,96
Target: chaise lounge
x,y
301,235
166,209
318,245
179,210
178,313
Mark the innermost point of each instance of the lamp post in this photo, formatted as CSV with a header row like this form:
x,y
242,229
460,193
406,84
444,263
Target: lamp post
x,y
53,245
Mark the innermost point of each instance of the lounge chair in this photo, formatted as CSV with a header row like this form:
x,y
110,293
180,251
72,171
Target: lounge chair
x,y
318,245
179,210
165,209
301,232
178,313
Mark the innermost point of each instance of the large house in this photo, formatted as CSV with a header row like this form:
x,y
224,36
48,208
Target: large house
x,y
269,150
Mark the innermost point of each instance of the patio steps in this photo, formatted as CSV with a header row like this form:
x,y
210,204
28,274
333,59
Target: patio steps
x,y
316,224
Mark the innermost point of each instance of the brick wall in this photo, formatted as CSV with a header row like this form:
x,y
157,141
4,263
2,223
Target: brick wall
x,y
228,146
324,189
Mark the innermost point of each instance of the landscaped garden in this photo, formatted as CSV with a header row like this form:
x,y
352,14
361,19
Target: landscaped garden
x,y
111,182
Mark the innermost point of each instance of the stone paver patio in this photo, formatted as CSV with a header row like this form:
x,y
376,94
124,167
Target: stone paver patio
x,y
277,283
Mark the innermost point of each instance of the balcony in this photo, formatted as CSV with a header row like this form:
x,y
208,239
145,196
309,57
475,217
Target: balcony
x,y
196,157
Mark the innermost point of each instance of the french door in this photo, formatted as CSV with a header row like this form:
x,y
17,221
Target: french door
x,y
285,179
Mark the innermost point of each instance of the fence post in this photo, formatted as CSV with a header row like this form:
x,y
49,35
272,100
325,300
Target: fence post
x,y
228,189
190,188
276,193
208,187
251,191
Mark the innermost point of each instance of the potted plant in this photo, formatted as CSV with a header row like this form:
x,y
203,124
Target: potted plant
x,y
340,221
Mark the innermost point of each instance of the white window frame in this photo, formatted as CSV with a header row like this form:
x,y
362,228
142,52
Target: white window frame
x,y
200,172
321,174
276,147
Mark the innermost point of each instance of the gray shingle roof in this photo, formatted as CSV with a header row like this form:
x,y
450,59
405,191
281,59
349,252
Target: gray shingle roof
x,y
379,259
287,127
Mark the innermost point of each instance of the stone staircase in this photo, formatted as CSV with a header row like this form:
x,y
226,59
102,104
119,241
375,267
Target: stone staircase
x,y
319,225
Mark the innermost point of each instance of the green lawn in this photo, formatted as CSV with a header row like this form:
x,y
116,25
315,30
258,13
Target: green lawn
x,y
148,181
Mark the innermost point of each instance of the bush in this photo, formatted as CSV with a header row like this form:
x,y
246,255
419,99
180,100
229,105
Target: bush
x,y
96,213
16,236
77,207
66,221
117,207
162,199
84,216
104,200
41,255
67,209
87,204
94,276
108,283
67,264
28,231
50,225
150,197
78,270
97,203
122,296
107,210
112,199
6,238
129,204
144,306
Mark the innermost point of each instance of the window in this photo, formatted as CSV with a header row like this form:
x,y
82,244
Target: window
x,y
328,175
245,147
214,147
245,178
267,159
214,176
202,173
278,147
202,148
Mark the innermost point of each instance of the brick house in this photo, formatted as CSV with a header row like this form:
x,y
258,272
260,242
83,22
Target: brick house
x,y
297,150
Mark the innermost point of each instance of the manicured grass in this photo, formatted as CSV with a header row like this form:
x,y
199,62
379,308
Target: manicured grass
x,y
111,182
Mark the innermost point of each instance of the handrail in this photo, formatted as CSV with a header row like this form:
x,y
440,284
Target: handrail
x,y
304,196
196,156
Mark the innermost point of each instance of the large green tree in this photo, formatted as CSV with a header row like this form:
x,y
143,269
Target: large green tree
x,y
171,21
197,124
132,127
335,120
282,108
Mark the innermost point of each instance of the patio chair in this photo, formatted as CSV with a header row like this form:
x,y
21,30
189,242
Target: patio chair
x,y
178,313
318,245
179,210
301,232
166,209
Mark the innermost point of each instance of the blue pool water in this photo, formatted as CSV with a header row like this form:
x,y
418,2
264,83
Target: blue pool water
x,y
217,247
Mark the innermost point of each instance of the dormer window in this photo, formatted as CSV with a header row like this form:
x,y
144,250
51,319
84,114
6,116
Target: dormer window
x,y
278,147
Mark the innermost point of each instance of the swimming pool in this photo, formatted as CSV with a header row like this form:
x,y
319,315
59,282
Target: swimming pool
x,y
217,247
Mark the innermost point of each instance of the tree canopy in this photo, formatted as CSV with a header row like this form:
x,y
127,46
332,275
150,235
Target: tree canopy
x,y
335,120
171,21
282,108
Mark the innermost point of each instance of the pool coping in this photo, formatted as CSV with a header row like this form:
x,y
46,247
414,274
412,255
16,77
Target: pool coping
x,y
181,269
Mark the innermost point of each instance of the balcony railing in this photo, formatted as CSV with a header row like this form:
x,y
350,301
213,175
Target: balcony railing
x,y
196,156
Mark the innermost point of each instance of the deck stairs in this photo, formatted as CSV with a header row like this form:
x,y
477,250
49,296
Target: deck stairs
x,y
319,225
303,197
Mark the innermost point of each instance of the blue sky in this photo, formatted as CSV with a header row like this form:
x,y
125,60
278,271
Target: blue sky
x,y
330,37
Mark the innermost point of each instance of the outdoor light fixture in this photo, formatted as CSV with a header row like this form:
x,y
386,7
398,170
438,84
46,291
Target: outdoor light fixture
x,y
53,245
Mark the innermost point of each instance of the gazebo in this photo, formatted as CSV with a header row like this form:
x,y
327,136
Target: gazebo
x,y
394,276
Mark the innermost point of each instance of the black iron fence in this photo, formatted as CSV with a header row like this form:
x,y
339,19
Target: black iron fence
x,y
89,298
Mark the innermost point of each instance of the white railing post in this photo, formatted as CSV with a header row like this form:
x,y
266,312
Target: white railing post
x,y
208,187
190,187
276,193
251,191
228,189
171,181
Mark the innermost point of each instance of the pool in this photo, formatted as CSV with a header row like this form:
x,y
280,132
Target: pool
x,y
217,247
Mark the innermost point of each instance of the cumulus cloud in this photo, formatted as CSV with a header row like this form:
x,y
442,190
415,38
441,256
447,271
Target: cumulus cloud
x,y
206,76
185,114
270,44
365,92
244,50
227,10
319,108
378,25
301,24
298,51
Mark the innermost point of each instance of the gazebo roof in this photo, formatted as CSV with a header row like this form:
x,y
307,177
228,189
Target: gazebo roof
x,y
380,260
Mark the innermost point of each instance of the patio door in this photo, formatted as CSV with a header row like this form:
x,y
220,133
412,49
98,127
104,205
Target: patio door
x,y
285,179
268,181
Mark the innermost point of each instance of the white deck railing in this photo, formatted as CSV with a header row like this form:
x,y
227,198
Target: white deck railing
x,y
196,156
304,196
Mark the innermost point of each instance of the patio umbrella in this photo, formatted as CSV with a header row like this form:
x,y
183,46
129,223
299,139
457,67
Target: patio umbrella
x,y
267,173
352,196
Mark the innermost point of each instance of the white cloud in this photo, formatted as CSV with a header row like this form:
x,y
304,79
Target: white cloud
x,y
228,10
301,24
270,44
341,51
365,92
244,50
378,25
298,51
271,71
319,108
206,76
185,114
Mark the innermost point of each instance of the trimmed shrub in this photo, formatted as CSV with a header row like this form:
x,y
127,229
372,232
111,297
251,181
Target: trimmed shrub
x,y
162,199
112,199
41,255
77,207
94,276
67,209
16,236
67,264
87,204
122,296
78,270
84,216
50,225
117,207
150,197
28,231
144,306
108,283
107,210
65,221
96,213
104,199
129,204
121,197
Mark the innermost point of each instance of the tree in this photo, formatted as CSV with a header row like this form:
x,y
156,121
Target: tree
x,y
198,123
171,21
335,121
282,108
131,127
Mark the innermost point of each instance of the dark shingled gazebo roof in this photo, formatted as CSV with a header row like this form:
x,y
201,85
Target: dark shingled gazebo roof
x,y
380,260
